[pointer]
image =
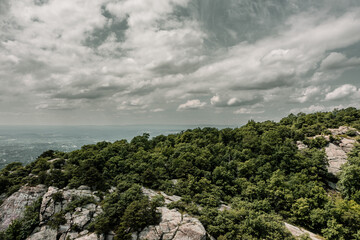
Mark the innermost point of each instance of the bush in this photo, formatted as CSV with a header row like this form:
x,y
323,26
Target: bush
x,y
56,220
351,133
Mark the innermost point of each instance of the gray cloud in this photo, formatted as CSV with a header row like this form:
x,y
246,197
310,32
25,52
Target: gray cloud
x,y
221,101
337,61
344,91
136,58
191,105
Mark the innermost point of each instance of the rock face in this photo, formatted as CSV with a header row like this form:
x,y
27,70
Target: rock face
x,y
173,225
342,130
297,232
336,152
14,206
56,201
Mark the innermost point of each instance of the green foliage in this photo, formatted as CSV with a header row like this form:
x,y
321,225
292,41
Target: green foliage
x,y
350,176
242,223
137,216
126,211
257,168
56,220
57,197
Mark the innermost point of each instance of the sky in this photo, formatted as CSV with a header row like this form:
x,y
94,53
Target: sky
x,y
116,62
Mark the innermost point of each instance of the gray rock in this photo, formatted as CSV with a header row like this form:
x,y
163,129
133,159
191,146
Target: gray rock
x,y
337,154
80,217
91,236
297,232
173,224
43,234
14,206
168,199
342,130
84,187
336,157
300,145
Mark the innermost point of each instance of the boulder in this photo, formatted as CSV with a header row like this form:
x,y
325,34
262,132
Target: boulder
x,y
297,232
43,233
91,236
14,206
173,225
76,221
342,130
300,145
336,157
337,154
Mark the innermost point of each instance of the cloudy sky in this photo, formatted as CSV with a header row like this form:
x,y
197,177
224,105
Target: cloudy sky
x,y
176,61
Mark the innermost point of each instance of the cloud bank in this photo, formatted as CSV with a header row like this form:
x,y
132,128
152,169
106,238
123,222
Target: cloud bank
x,y
142,61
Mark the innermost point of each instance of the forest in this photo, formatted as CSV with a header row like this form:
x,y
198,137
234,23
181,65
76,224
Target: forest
x,y
257,169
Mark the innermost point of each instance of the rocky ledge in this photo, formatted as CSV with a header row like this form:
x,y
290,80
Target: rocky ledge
x,y
336,151
62,219
74,220
173,225
14,206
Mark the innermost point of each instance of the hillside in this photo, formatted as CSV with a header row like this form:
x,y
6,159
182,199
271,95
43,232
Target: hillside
x,y
268,180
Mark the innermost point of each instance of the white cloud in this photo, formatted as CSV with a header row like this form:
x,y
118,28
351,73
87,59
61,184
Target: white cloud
x,y
191,105
150,56
226,101
308,94
345,91
157,110
283,60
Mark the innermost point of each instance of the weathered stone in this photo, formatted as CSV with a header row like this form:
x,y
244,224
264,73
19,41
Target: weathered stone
x,y
64,228
80,217
14,206
84,187
168,199
336,157
91,236
45,233
48,205
297,232
342,130
300,145
337,154
173,224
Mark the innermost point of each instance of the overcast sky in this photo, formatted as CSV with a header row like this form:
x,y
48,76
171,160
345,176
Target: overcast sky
x,y
176,61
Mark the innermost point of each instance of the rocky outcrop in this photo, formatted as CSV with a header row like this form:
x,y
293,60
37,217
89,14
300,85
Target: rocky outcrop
x,y
56,201
300,145
336,151
297,232
337,156
14,206
342,130
173,225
